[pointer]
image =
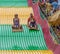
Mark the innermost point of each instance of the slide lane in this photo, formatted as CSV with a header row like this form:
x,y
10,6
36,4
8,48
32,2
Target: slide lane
x,y
7,37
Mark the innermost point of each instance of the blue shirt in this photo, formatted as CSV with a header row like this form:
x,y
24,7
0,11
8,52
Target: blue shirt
x,y
55,5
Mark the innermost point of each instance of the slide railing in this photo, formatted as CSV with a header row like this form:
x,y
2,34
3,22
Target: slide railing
x,y
51,30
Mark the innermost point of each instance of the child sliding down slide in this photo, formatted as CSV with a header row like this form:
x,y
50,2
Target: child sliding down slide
x,y
31,22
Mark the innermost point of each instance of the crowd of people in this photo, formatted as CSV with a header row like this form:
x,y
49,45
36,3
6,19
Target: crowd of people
x,y
48,8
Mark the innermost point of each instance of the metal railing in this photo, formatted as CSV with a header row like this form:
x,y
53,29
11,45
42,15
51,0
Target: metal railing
x,y
54,35
51,29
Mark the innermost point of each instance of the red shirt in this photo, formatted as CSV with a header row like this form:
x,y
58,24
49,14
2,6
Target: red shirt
x,y
30,19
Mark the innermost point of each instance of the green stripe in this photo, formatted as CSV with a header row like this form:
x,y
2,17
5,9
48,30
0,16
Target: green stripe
x,y
26,40
11,3
13,0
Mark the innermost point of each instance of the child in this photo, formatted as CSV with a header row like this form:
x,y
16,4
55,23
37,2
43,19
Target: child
x,y
16,22
31,21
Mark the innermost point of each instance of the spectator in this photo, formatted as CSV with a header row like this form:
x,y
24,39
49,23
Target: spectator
x,y
51,12
55,5
48,7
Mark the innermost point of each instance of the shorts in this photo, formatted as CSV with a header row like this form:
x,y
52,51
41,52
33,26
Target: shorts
x,y
16,25
32,24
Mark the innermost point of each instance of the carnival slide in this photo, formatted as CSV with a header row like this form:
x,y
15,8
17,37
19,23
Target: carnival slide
x,y
27,41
